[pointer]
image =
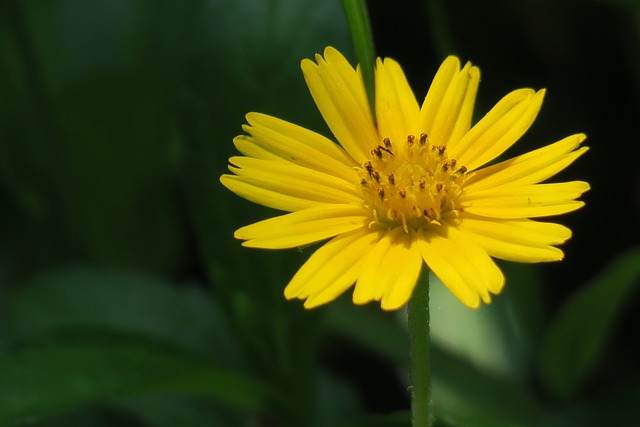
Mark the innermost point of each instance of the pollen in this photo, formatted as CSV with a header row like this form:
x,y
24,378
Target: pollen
x,y
411,184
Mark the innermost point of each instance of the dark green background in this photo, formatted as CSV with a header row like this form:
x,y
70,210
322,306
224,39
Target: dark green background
x,y
125,299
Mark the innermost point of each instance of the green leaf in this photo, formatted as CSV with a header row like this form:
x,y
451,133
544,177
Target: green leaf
x,y
577,335
185,315
464,395
71,369
358,20
499,337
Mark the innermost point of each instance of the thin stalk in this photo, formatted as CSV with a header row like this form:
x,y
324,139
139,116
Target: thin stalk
x,y
418,321
360,28
440,28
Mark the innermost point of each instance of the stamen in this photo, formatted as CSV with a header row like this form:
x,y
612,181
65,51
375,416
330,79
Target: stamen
x,y
377,151
369,167
414,187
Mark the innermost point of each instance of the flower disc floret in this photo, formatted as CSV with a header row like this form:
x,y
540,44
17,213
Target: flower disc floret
x,y
412,185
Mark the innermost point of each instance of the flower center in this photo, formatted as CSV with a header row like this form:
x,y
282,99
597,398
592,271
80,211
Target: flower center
x,y
413,185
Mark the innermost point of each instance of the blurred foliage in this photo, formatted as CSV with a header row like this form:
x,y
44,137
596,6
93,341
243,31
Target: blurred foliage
x,y
126,301
579,334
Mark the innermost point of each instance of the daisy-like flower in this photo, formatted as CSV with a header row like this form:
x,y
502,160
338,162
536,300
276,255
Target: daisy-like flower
x,y
408,188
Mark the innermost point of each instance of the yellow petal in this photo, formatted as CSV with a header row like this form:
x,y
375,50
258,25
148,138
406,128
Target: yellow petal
x,y
403,266
527,194
449,68
525,211
368,287
465,115
269,198
530,168
461,264
293,180
331,269
389,271
499,129
247,146
303,227
396,107
525,202
339,93
272,138
517,240
452,117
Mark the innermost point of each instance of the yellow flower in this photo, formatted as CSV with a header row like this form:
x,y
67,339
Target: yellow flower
x,y
405,189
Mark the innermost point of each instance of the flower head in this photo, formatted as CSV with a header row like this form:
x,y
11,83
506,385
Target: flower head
x,y
407,189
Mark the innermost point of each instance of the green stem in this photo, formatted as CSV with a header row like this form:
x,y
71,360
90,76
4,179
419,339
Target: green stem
x,y
438,23
358,21
418,319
